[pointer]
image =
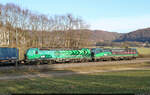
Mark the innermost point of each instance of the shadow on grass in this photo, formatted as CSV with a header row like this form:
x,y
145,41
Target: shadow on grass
x,y
34,71
144,56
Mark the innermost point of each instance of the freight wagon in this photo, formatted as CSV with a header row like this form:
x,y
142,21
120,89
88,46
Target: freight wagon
x,y
9,55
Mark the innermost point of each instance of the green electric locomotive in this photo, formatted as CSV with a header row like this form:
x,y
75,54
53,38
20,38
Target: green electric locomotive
x,y
114,54
59,55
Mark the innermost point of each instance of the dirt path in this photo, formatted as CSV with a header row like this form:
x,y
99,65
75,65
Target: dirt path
x,y
58,74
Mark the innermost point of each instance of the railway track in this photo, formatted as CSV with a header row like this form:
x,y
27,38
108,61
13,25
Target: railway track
x,y
67,65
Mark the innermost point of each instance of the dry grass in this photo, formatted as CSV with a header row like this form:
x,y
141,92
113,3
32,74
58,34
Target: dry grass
x,y
26,71
143,52
72,69
106,67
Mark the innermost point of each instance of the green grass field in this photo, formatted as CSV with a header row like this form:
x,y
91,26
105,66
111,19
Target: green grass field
x,y
144,51
110,82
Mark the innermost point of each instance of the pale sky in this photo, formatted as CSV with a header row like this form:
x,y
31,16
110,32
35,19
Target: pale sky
x,y
111,15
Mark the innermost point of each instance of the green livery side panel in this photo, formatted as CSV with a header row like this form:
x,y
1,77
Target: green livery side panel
x,y
103,53
35,53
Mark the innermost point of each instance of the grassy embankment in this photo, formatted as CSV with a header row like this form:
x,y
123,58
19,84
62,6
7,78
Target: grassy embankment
x,y
27,71
110,82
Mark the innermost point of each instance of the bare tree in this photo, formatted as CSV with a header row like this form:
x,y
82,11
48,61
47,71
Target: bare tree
x,y
38,30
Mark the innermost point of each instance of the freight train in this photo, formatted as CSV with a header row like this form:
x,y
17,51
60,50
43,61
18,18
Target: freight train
x,y
41,56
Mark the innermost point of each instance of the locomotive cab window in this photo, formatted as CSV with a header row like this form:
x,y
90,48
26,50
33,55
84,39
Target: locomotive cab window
x,y
36,52
106,50
98,51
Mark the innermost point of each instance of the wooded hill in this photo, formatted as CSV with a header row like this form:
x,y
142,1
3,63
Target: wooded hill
x,y
101,36
141,35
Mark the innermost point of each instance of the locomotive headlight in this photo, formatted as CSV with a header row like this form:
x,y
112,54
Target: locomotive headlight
x,y
105,54
43,56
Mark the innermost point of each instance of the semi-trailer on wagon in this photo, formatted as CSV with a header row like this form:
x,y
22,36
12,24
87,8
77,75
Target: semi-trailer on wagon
x,y
9,55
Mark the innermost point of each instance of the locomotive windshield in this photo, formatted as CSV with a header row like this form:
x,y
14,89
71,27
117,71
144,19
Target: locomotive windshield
x,y
96,50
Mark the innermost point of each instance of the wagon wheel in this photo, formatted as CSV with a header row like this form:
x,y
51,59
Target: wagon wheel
x,y
38,63
51,62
